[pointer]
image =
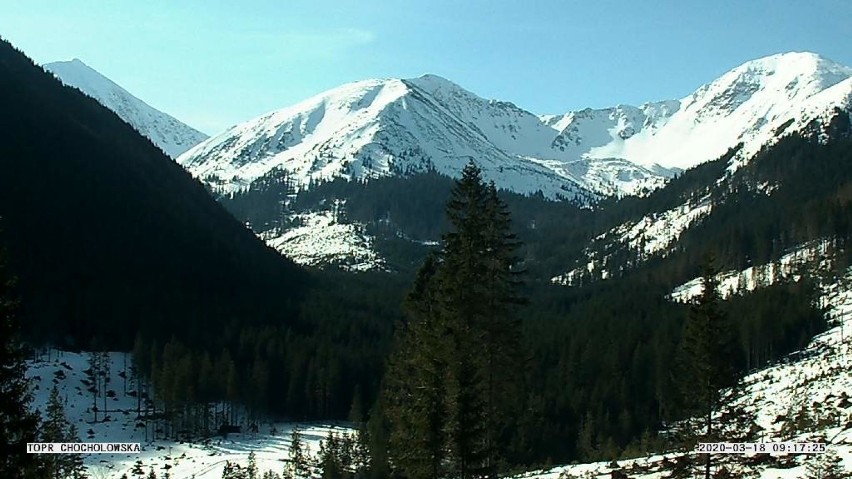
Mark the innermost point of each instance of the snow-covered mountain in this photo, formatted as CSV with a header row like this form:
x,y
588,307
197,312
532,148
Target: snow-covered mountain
x,y
384,127
395,126
168,133
753,103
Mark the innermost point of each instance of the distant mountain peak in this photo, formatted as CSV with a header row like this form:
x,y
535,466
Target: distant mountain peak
x,y
393,126
165,131
432,82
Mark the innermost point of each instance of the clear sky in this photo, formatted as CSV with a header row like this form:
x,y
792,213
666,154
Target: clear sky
x,y
215,63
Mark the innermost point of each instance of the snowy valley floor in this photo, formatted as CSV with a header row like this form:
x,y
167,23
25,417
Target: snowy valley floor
x,y
182,460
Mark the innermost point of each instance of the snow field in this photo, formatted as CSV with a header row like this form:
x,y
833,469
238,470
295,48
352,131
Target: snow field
x,y
182,460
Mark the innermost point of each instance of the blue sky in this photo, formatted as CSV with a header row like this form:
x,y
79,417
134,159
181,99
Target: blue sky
x,y
215,63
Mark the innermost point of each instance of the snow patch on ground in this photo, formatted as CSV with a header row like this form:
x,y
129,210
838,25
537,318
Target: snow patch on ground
x,y
654,234
657,232
820,375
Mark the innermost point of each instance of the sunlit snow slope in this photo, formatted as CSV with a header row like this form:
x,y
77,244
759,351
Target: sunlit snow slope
x,y
172,136
317,239
751,104
396,126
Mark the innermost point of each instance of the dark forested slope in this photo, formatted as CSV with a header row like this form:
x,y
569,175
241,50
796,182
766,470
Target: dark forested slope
x,y
108,236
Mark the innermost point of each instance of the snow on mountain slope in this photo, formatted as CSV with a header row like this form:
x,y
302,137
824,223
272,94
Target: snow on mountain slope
x,y
654,234
368,129
816,379
791,266
172,136
395,126
319,240
581,131
509,128
749,104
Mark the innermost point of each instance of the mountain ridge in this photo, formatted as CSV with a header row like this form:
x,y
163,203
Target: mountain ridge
x,y
168,133
384,127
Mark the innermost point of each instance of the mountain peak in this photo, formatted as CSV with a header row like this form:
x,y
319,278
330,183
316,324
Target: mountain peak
x,y
386,127
74,64
433,79
171,135
777,80
792,69
799,59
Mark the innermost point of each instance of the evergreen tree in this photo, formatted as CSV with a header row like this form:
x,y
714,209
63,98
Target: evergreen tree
x,y
346,451
825,466
94,374
75,461
478,283
251,468
706,354
53,430
56,428
454,376
233,470
378,437
416,381
298,467
361,455
502,351
587,445
330,463
18,425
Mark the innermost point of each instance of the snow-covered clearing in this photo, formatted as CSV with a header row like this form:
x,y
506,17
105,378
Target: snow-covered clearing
x,y
182,460
320,240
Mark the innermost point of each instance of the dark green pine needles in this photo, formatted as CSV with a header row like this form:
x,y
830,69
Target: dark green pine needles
x,y
455,374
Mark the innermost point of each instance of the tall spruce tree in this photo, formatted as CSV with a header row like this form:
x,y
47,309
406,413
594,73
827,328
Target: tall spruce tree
x,y
707,354
502,351
455,372
18,425
417,375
